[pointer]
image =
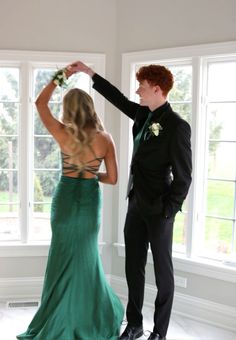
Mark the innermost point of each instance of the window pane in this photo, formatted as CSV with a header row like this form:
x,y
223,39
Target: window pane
x,y
222,121
8,186
218,238
220,199
9,113
46,156
9,222
46,153
80,80
180,98
41,229
184,110
182,89
41,78
180,229
9,121
9,214
222,160
44,186
8,152
39,128
9,80
221,81
179,236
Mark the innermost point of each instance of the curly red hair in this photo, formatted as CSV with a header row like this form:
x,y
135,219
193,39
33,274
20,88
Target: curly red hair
x,y
156,75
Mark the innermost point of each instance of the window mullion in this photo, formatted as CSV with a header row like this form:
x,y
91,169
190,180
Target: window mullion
x,y
196,195
194,122
26,62
24,142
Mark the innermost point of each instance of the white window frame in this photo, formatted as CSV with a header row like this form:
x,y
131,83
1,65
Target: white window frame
x,y
183,262
27,61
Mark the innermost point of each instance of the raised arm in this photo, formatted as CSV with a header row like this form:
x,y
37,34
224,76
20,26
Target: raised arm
x,y
110,175
109,91
50,122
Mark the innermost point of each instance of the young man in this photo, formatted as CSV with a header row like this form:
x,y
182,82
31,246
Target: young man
x,y
160,176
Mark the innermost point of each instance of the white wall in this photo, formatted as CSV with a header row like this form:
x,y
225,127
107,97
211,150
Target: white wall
x,y
152,24
113,28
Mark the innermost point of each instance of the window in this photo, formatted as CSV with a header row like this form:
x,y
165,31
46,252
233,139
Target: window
x,y
204,95
29,157
219,109
9,156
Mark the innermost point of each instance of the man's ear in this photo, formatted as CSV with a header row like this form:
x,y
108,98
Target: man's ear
x,y
157,89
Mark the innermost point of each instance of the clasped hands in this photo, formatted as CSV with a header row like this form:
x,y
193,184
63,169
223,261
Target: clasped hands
x,y
78,66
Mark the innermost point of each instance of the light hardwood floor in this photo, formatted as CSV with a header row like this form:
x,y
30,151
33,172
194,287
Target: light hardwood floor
x,y
15,321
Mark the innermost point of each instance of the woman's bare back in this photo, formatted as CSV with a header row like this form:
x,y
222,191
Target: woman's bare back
x,y
85,162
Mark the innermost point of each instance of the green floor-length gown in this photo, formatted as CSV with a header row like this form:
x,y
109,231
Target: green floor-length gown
x,y
77,303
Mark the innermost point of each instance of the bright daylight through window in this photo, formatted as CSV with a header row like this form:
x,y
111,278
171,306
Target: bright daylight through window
x,y
47,167
9,152
204,94
29,157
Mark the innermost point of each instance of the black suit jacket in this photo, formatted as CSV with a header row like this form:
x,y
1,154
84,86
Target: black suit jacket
x,y
162,165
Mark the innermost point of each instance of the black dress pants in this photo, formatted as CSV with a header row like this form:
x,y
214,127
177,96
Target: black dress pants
x,y
140,231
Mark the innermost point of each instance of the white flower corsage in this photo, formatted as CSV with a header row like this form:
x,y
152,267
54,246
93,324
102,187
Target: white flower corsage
x,y
155,129
60,77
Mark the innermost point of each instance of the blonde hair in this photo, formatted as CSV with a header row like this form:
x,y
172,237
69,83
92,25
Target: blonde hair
x,y
79,115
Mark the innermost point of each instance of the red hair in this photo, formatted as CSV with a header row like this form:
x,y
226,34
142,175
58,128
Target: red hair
x,y
156,75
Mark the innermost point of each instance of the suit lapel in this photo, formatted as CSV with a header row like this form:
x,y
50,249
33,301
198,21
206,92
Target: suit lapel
x,y
162,119
140,120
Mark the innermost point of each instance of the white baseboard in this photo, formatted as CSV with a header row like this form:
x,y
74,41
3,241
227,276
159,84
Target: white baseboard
x,y
188,306
206,311
24,288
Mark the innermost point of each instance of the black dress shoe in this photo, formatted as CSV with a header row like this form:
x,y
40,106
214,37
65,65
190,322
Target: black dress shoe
x,y
155,336
131,333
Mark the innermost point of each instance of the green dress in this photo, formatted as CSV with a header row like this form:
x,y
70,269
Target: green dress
x,y
77,302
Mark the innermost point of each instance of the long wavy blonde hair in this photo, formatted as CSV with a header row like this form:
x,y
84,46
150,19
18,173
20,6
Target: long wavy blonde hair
x,y
79,116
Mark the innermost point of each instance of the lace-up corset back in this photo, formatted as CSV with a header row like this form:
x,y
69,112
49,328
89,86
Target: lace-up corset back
x,y
81,167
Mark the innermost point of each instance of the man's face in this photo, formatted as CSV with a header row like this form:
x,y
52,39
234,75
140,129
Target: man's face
x,y
147,93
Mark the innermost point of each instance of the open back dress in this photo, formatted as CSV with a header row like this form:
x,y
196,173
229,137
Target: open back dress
x,y
77,303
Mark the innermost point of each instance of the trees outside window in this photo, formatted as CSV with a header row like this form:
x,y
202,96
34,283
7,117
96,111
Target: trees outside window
x,y
30,162
204,95
9,152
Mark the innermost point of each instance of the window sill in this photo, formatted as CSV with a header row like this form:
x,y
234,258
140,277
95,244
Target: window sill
x,y
23,250
39,249
196,266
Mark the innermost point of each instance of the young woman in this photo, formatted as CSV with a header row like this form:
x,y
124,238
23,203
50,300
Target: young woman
x,y
77,303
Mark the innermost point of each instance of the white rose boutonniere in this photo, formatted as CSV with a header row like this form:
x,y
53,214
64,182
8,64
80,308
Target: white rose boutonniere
x,y
155,129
